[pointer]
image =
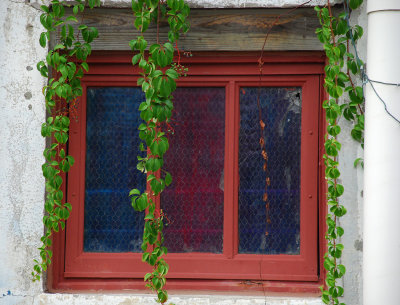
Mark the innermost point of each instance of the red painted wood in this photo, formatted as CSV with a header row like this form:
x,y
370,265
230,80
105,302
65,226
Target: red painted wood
x,y
229,189
198,69
125,57
175,286
75,269
323,248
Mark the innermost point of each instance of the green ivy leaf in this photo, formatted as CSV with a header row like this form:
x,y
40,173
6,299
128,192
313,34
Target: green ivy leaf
x,y
162,296
158,162
136,58
42,39
150,177
64,166
147,276
340,231
172,73
58,181
155,186
68,206
65,121
85,66
75,10
71,18
342,269
145,256
354,4
134,192
70,160
358,161
168,179
143,106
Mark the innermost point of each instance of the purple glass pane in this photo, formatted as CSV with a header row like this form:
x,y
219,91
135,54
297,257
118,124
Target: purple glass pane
x,y
194,202
281,112
112,140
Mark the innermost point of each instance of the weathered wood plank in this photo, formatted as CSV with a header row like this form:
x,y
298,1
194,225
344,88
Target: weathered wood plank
x,y
215,30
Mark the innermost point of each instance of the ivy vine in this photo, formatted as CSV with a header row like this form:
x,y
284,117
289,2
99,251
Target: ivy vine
x,y
64,67
339,38
158,82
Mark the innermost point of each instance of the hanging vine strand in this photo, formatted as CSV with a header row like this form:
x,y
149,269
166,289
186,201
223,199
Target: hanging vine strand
x,y
158,82
64,67
336,33
67,61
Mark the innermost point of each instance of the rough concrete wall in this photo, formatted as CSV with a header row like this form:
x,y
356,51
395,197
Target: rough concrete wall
x,y
22,185
21,147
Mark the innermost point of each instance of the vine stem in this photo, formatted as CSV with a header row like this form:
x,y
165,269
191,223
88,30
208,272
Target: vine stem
x,y
260,121
330,23
179,53
158,22
262,124
158,82
335,158
276,21
333,33
349,76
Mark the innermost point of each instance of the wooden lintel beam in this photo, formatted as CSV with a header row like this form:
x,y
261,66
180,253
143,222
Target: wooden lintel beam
x,y
215,30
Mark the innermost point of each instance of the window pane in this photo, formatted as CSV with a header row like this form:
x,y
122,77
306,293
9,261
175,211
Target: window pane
x,y
194,200
281,113
112,140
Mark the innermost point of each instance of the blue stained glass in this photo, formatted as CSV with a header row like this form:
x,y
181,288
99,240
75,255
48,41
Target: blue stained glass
x,y
112,144
281,112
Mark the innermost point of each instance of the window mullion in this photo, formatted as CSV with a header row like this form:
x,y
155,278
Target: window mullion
x,y
230,172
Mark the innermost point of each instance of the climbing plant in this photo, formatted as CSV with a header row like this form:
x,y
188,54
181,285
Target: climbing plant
x,y
343,67
64,67
158,81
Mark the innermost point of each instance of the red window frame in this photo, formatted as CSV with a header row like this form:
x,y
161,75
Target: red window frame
x,y
75,269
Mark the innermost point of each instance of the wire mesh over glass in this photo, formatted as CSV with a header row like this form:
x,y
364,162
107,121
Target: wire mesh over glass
x,y
112,141
194,202
281,113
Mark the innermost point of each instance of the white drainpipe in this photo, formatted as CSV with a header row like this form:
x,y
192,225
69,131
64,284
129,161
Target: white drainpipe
x,y
381,260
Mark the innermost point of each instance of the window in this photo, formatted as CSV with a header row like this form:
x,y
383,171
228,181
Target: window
x,y
219,234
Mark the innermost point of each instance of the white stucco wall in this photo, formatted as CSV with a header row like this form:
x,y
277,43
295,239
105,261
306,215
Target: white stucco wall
x,y
22,185
21,147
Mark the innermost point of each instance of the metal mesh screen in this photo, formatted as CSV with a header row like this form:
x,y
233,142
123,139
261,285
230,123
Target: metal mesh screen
x,y
194,200
281,112
111,224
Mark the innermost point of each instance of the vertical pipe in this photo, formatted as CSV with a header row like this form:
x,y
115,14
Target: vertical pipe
x,y
381,259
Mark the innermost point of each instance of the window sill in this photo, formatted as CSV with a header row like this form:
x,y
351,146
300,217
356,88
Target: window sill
x,y
193,287
182,299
